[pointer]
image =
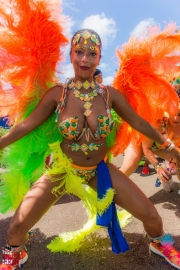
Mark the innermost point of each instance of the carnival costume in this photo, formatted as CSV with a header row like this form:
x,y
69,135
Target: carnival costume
x,y
32,44
147,64
37,31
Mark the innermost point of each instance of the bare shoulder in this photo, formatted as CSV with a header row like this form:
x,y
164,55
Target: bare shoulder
x,y
114,93
55,93
56,89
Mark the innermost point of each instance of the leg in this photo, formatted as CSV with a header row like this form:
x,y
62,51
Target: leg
x,y
132,156
132,199
34,205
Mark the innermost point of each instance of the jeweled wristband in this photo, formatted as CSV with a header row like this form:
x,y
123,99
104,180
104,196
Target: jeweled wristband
x,y
157,166
168,148
165,144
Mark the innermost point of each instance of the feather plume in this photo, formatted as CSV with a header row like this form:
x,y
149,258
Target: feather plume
x,y
32,46
147,64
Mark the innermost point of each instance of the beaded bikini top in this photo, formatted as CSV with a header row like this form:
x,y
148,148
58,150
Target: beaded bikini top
x,y
69,127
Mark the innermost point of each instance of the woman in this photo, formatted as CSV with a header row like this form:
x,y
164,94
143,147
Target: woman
x,y
98,76
170,127
134,153
84,121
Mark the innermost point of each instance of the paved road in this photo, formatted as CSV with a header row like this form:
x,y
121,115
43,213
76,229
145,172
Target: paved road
x,y
95,253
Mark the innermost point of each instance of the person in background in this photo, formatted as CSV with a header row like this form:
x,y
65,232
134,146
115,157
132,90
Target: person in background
x,y
98,76
4,122
168,126
145,167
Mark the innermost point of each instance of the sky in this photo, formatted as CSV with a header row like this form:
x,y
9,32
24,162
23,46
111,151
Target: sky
x,y
115,21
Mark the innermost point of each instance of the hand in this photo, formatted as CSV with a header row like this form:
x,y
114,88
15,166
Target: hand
x,y
172,167
163,175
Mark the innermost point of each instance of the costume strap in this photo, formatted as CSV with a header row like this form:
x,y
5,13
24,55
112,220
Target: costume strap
x,y
109,218
171,135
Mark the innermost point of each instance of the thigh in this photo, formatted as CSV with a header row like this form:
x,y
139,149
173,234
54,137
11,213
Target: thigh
x,y
128,195
132,156
36,202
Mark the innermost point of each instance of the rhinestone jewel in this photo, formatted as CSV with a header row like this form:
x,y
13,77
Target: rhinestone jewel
x,y
87,113
86,85
87,105
78,85
84,147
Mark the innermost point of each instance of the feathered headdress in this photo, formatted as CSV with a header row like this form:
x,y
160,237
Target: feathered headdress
x,y
31,49
146,67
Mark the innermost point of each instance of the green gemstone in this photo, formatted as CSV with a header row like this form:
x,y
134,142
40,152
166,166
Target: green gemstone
x,y
67,124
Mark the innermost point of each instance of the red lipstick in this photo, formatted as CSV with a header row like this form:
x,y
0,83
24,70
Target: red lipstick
x,y
84,68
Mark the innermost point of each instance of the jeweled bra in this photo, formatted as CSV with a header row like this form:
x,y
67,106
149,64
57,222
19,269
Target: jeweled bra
x,y
69,127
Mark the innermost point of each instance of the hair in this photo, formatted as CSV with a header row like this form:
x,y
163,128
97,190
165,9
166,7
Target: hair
x,y
82,30
97,72
178,92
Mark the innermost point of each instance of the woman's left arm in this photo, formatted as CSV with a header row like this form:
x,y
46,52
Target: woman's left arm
x,y
127,113
124,110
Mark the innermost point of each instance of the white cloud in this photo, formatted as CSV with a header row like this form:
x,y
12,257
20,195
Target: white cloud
x,y
70,5
105,27
68,33
67,72
103,66
108,80
68,27
140,28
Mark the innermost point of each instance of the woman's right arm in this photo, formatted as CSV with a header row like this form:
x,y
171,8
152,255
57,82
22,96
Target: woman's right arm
x,y
146,146
40,114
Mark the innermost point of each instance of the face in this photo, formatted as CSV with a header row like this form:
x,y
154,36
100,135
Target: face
x,y
99,78
175,120
85,58
176,87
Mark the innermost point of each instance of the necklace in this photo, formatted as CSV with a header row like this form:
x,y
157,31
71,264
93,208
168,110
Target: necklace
x,y
78,85
86,97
